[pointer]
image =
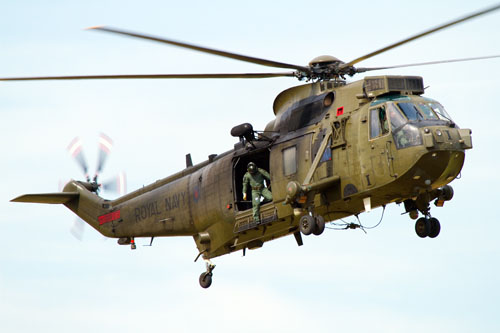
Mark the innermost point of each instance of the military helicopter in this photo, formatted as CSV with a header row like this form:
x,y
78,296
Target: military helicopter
x,y
334,149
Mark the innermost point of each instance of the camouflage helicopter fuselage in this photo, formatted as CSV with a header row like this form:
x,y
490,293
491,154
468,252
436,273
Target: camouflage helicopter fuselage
x,y
326,156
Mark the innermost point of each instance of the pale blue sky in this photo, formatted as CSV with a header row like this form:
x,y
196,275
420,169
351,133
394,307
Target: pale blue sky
x,y
386,281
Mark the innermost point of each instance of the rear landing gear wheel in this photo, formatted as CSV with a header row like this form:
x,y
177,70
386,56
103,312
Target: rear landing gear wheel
x,y
435,227
423,227
205,279
307,224
320,225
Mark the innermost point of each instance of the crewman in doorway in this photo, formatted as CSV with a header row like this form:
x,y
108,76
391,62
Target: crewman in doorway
x,y
255,179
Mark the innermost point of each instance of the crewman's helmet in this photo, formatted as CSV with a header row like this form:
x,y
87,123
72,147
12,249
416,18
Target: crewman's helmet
x,y
252,168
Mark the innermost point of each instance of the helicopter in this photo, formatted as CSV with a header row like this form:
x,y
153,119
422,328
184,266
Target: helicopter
x,y
334,149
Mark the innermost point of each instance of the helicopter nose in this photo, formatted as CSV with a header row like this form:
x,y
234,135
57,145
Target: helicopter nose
x,y
455,164
440,167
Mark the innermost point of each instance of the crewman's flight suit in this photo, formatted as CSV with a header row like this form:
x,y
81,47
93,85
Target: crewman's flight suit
x,y
255,178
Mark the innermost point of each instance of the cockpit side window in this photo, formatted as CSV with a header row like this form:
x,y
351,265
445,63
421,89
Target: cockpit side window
x,y
410,110
378,122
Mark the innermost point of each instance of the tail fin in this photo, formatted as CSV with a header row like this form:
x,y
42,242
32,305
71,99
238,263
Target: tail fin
x,y
77,197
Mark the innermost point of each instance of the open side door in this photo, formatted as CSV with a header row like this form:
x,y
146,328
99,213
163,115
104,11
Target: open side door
x,y
240,163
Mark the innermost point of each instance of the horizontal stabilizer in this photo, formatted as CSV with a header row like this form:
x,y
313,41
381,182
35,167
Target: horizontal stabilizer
x,y
47,198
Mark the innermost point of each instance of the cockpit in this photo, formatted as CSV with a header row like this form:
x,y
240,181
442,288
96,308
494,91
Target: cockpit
x,y
403,116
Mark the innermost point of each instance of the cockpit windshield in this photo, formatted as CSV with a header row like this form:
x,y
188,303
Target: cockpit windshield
x,y
411,111
424,111
397,119
439,110
428,111
406,116
405,134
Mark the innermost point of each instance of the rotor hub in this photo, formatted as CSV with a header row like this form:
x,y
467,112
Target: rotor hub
x,y
327,67
323,61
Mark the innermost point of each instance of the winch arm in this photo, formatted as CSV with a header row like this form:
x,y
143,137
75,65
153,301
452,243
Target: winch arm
x,y
317,159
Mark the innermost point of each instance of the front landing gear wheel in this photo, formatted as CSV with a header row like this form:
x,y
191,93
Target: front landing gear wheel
x,y
435,227
205,279
307,224
423,227
320,225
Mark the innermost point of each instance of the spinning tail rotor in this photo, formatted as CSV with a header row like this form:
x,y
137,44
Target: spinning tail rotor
x,y
105,146
116,184
75,150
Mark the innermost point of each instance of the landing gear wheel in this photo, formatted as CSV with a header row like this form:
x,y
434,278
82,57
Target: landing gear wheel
x,y
435,227
422,227
320,225
307,224
205,279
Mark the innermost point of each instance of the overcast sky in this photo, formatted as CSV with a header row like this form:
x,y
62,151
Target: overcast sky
x,y
386,280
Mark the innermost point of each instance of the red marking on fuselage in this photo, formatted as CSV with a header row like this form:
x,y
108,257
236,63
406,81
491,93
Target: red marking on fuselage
x,y
109,217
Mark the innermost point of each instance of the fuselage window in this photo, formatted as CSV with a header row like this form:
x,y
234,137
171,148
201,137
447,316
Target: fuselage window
x,y
290,161
327,155
378,122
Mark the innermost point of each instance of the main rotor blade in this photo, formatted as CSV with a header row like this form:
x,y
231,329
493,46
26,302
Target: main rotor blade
x,y
422,34
154,76
366,69
225,54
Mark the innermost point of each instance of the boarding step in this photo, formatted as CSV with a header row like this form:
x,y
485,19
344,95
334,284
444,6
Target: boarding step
x,y
244,219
